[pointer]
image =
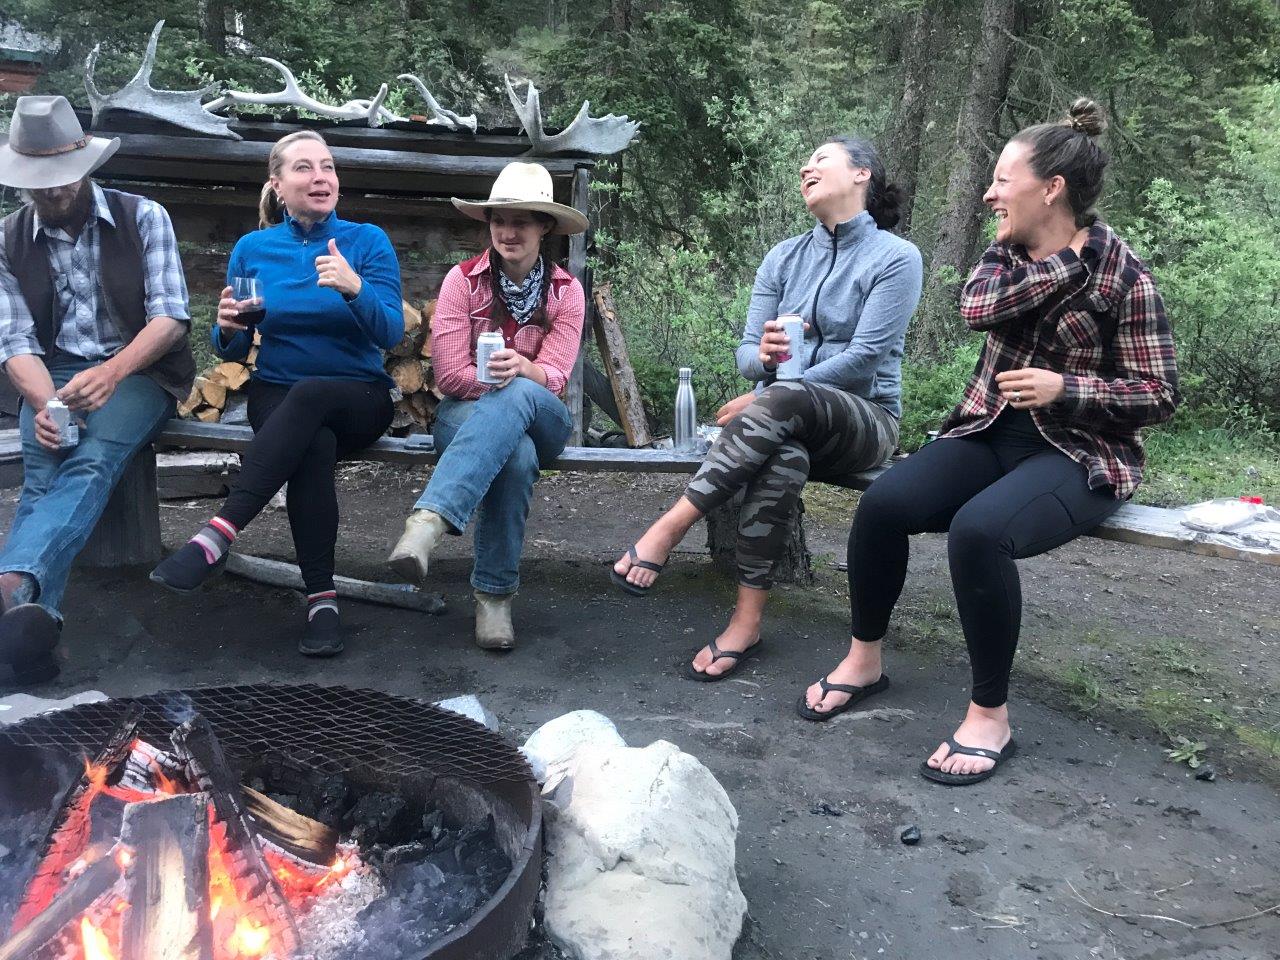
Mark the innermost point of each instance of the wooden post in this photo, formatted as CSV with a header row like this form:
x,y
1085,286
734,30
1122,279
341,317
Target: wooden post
x,y
580,200
622,378
129,532
722,533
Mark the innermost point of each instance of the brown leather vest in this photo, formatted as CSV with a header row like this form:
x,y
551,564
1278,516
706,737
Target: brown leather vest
x,y
121,282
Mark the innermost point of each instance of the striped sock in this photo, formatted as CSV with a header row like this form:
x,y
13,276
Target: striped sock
x,y
324,600
215,539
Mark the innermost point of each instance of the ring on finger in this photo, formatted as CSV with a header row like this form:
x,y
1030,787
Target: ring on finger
x,y
1017,396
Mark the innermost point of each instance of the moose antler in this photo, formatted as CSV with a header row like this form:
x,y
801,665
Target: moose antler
x,y
292,95
587,134
442,116
181,107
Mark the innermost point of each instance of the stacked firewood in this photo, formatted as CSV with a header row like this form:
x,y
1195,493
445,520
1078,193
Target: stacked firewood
x,y
408,363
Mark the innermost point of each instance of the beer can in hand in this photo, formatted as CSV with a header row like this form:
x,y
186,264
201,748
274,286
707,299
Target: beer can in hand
x,y
487,344
791,365
68,431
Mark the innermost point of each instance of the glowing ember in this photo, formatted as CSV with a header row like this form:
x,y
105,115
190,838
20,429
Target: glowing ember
x,y
94,942
124,857
250,939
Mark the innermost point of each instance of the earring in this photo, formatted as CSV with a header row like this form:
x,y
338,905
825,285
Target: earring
x,y
1048,202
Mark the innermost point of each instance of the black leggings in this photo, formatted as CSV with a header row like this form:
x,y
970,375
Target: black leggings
x,y
300,432
1000,495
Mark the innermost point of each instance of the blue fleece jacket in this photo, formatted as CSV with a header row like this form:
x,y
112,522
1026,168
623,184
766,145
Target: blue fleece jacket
x,y
313,332
856,287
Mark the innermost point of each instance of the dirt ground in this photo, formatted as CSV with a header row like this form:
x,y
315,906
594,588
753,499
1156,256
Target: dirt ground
x,y
1124,649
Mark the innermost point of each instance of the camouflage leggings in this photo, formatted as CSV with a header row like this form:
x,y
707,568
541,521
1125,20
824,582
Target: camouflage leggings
x,y
792,431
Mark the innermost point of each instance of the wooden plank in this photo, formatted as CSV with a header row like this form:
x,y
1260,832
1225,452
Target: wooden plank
x,y
167,879
69,905
617,364
277,573
1159,527
580,200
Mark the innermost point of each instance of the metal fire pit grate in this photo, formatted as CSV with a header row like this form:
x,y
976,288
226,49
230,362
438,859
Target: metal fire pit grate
x,y
334,729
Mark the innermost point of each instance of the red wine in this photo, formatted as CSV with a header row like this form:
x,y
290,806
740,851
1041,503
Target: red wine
x,y
251,317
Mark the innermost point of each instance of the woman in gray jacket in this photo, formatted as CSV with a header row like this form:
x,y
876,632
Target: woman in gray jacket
x,y
855,284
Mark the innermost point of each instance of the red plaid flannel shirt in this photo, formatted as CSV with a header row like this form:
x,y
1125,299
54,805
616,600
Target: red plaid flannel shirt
x,y
464,311
1098,320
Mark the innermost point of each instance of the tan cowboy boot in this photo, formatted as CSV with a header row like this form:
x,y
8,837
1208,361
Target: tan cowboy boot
x,y
493,621
412,554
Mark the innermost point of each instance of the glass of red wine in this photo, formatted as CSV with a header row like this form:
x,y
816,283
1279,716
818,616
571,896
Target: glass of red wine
x,y
250,305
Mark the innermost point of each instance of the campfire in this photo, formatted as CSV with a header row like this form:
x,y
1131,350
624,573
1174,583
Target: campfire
x,y
171,851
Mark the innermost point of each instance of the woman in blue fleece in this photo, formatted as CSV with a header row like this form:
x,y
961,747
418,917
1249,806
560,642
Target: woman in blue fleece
x,y
331,289
856,285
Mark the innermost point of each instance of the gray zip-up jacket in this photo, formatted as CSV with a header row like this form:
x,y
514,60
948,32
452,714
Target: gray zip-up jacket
x,y
856,288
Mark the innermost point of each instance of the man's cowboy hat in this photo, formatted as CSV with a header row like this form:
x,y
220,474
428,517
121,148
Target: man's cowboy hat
x,y
47,147
525,186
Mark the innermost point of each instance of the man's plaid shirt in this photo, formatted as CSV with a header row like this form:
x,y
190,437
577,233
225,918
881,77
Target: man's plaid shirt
x,y
1098,320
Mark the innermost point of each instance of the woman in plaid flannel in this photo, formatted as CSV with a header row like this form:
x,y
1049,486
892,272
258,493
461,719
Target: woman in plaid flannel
x,y
1044,445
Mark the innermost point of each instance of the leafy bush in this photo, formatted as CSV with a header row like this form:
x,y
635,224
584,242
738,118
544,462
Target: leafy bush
x,y
930,390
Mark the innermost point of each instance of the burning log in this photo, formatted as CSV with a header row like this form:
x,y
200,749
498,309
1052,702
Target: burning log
x,y
304,838
68,836
250,874
77,897
167,879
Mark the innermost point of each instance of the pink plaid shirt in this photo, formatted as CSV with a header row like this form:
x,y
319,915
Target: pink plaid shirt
x,y
463,312
1098,320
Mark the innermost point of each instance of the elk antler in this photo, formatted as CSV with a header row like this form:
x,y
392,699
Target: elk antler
x,y
181,107
587,134
440,115
292,95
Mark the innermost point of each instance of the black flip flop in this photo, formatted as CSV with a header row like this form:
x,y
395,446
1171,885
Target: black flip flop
x,y
856,695
621,578
965,779
717,654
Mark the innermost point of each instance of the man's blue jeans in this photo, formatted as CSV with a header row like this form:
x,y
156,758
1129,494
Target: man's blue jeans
x,y
65,491
492,449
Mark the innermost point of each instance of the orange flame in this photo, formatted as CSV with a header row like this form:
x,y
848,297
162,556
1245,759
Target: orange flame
x,y
250,939
94,942
124,857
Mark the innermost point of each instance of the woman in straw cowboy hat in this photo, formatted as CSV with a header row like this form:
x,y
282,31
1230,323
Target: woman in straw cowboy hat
x,y
495,435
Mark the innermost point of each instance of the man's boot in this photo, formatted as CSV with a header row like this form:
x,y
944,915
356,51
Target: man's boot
x,y
412,554
493,621
28,632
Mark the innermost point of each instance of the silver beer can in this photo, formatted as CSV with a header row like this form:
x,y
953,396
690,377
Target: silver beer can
x,y
68,431
487,344
791,365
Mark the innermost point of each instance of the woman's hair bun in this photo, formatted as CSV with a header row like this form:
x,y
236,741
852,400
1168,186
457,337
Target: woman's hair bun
x,y
1085,116
887,208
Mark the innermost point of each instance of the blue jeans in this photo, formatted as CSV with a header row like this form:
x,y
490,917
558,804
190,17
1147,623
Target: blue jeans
x,y
65,491
492,449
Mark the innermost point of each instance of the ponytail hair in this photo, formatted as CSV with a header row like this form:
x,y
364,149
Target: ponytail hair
x,y
270,209
1069,149
884,200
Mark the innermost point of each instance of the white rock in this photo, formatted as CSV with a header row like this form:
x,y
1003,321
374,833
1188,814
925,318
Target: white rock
x,y
470,706
640,859
556,740
19,706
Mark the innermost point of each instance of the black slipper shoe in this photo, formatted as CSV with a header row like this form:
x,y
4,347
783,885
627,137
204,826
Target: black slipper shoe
x,y
184,570
965,779
28,636
621,578
856,695
702,676
322,635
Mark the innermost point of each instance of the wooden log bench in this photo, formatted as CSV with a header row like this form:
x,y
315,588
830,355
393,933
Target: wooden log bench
x,y
130,531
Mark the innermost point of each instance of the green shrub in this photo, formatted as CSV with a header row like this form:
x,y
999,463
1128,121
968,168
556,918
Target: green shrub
x,y
930,390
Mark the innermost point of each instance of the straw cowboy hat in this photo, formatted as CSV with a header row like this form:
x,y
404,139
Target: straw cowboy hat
x,y
47,147
525,186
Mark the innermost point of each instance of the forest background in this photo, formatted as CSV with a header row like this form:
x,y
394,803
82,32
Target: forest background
x,y
735,94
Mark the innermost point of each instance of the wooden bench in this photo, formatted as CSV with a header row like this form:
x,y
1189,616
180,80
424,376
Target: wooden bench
x,y
130,531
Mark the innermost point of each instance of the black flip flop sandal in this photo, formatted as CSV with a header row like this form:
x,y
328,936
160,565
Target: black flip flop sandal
x,y
717,654
621,578
856,695
965,779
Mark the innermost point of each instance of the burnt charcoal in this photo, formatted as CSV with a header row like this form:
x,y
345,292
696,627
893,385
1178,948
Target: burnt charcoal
x,y
404,854
432,824
379,818
286,800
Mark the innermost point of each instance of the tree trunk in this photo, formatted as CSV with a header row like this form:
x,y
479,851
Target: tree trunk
x,y
976,144
794,566
213,25
906,134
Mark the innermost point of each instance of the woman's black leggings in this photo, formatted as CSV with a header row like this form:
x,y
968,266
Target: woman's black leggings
x,y
1000,495
300,433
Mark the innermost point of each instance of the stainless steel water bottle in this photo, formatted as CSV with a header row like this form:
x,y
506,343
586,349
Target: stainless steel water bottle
x,y
685,436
